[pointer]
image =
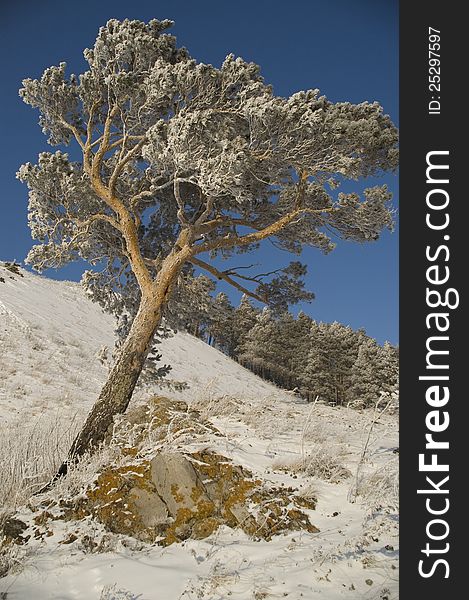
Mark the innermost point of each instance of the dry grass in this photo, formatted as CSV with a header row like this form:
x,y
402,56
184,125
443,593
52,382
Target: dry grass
x,y
380,488
112,592
210,404
320,461
29,457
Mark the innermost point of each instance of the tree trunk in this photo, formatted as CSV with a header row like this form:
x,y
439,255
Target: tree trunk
x,y
117,391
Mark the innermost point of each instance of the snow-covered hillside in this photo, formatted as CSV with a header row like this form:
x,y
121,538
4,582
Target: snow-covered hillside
x,y
50,335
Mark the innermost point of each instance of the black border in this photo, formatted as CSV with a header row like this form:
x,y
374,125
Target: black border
x,y
420,134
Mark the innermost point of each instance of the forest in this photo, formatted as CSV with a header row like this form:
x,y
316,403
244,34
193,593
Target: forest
x,y
330,361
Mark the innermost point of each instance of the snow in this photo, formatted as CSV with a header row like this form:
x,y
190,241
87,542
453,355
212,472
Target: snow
x,y
57,332
50,334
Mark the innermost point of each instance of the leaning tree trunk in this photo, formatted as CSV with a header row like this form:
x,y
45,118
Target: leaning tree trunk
x,y
117,391
122,379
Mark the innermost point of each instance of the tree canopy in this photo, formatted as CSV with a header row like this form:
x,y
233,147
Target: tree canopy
x,y
177,152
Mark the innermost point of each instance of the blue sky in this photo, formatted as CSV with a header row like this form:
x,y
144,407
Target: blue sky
x,y
347,49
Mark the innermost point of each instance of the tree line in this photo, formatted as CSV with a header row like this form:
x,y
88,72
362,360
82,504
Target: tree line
x,y
329,360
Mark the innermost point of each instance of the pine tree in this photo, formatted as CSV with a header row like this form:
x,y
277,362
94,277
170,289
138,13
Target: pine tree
x,y
221,323
366,381
318,373
261,348
300,334
191,306
245,318
389,369
182,162
343,346
329,360
285,346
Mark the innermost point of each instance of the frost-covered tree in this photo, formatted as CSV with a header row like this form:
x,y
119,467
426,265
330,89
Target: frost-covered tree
x,y
245,318
388,360
366,379
260,348
344,345
300,335
329,360
319,371
268,348
220,330
191,305
182,162
333,352
285,347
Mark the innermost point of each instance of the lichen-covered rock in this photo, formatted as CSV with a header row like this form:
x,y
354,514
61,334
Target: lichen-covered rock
x,y
176,480
114,502
172,496
175,496
150,507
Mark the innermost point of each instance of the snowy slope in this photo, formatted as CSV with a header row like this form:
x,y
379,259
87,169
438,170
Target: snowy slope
x,y
49,336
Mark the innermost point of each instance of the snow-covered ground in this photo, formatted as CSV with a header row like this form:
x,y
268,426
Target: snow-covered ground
x,y
50,335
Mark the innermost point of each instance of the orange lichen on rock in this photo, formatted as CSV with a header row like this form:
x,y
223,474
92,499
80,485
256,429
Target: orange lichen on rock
x,y
174,496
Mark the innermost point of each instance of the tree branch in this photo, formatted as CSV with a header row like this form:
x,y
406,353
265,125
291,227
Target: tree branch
x,y
301,189
223,275
100,217
121,164
261,234
99,140
76,133
177,194
227,222
84,226
255,278
152,191
234,269
89,135
206,212
104,145
126,223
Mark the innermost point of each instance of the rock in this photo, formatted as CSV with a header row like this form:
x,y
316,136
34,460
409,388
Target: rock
x,y
240,512
174,496
205,527
13,528
152,510
176,481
